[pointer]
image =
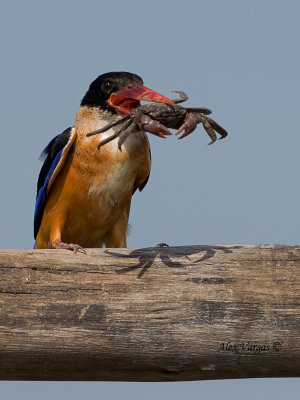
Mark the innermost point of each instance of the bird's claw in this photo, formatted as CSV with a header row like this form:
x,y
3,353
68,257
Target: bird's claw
x,y
76,248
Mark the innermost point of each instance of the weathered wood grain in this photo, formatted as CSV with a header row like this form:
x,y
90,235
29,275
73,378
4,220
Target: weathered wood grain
x,y
155,314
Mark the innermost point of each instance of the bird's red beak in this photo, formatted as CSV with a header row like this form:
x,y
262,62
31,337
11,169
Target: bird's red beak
x,y
129,98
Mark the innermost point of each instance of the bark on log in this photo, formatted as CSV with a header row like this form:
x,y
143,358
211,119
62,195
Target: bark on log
x,y
155,314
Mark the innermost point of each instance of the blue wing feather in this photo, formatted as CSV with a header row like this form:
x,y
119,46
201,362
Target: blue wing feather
x,y
41,195
52,155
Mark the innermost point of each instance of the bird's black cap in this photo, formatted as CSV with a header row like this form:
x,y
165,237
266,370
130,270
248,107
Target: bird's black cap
x,y
106,84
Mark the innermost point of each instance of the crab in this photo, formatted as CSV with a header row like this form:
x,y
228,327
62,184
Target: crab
x,y
156,118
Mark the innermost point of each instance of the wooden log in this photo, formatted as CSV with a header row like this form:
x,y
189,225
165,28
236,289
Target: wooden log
x,y
155,314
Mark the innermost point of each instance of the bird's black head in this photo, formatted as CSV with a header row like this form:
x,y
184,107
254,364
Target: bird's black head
x,y
119,92
102,87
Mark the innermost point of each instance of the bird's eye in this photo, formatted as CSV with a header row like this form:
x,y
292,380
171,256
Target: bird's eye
x,y
107,86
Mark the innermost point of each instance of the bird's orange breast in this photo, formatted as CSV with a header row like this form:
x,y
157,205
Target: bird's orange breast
x,y
94,187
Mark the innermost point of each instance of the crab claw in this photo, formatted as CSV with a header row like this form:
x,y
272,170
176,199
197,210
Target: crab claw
x,y
152,126
128,98
157,129
188,127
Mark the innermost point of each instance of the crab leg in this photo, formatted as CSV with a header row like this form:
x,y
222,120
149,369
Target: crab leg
x,y
116,134
108,126
209,130
201,110
124,135
182,96
107,140
217,128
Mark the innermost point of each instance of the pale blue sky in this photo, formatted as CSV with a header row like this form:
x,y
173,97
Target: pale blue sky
x,y
239,58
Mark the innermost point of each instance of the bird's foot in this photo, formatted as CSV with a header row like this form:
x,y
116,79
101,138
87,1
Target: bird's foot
x,y
57,244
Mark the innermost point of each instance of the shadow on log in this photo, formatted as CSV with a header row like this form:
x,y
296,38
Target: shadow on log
x,y
154,314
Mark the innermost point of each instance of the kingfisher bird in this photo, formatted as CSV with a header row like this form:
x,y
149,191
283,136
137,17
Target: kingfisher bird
x,y
83,194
